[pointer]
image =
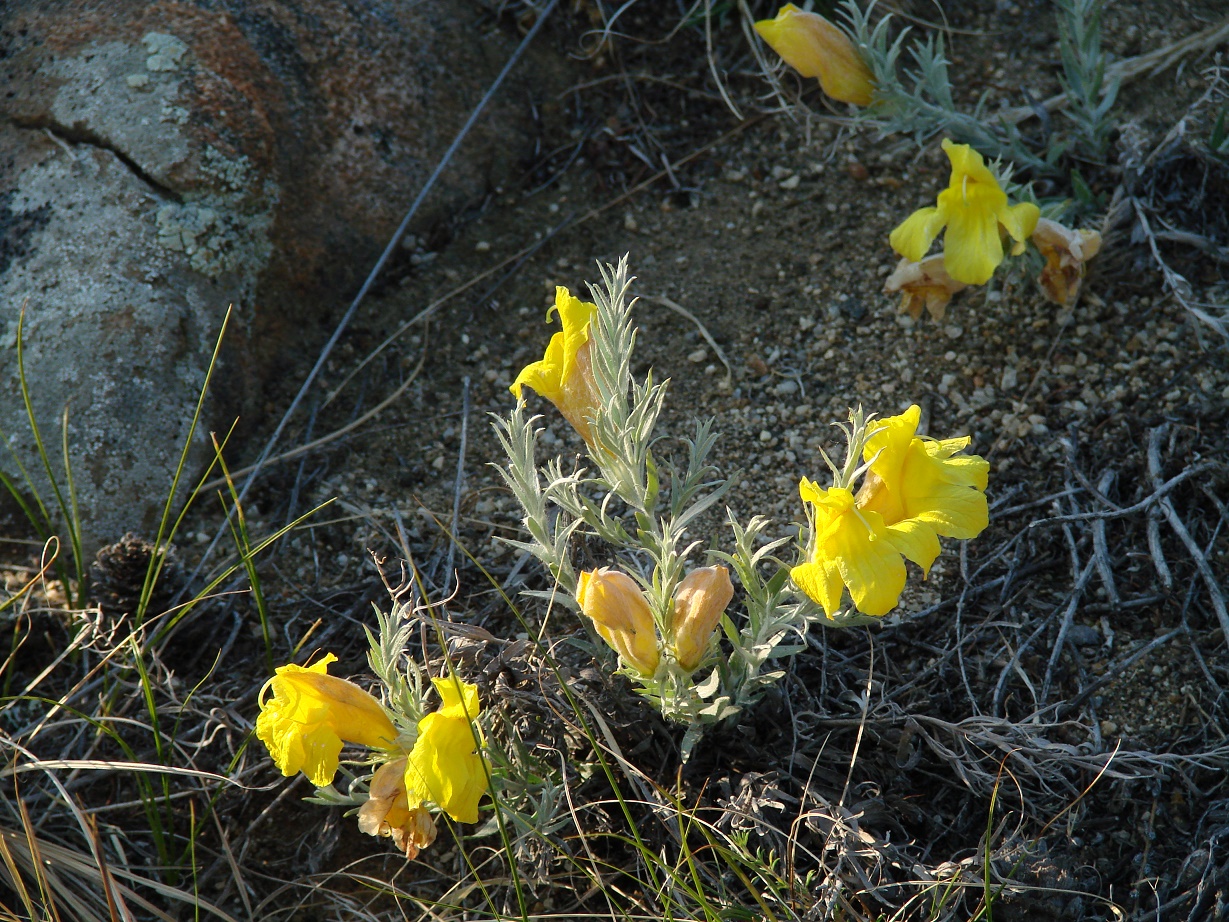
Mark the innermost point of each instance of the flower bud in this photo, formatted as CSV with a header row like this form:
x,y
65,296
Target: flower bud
x,y
311,712
387,812
698,603
816,48
622,616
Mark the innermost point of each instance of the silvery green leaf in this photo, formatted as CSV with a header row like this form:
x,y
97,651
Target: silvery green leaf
x,y
706,688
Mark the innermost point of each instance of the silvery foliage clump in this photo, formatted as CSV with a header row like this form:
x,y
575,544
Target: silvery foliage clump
x,y
642,508
921,105
1091,93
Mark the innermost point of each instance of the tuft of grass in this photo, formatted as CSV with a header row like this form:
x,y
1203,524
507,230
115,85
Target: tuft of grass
x,y
106,711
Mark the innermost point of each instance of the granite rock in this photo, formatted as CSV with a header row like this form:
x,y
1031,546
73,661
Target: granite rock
x,y
162,161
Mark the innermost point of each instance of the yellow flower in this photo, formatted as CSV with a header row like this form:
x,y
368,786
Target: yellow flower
x,y
621,615
1066,252
445,766
564,376
699,601
925,284
849,548
387,812
920,485
816,48
972,207
310,713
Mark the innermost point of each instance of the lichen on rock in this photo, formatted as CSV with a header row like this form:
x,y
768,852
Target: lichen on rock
x,y
165,51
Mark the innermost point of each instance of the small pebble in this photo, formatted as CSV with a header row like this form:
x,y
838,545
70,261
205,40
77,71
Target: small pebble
x,y
1084,635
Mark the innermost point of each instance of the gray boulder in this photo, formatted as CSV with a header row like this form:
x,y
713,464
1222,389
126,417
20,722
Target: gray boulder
x,y
159,162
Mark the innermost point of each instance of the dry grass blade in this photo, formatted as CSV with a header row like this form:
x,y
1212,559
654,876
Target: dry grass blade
x,y
75,879
1215,592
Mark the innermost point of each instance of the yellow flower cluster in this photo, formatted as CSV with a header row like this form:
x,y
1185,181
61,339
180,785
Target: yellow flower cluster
x,y
309,714
914,490
621,614
976,212
973,208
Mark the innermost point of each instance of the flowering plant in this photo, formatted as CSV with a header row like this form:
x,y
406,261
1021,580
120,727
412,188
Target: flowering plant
x,y
977,215
418,762
665,615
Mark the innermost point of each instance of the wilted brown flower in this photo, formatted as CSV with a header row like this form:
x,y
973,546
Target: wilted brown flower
x,y
1066,252
387,812
923,284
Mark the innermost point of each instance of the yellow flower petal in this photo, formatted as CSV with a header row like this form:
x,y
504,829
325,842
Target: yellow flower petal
x,y
869,563
919,479
546,375
575,316
821,581
917,540
445,767
952,510
967,470
317,749
460,699
913,237
888,448
972,247
809,491
1020,220
851,548
968,163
